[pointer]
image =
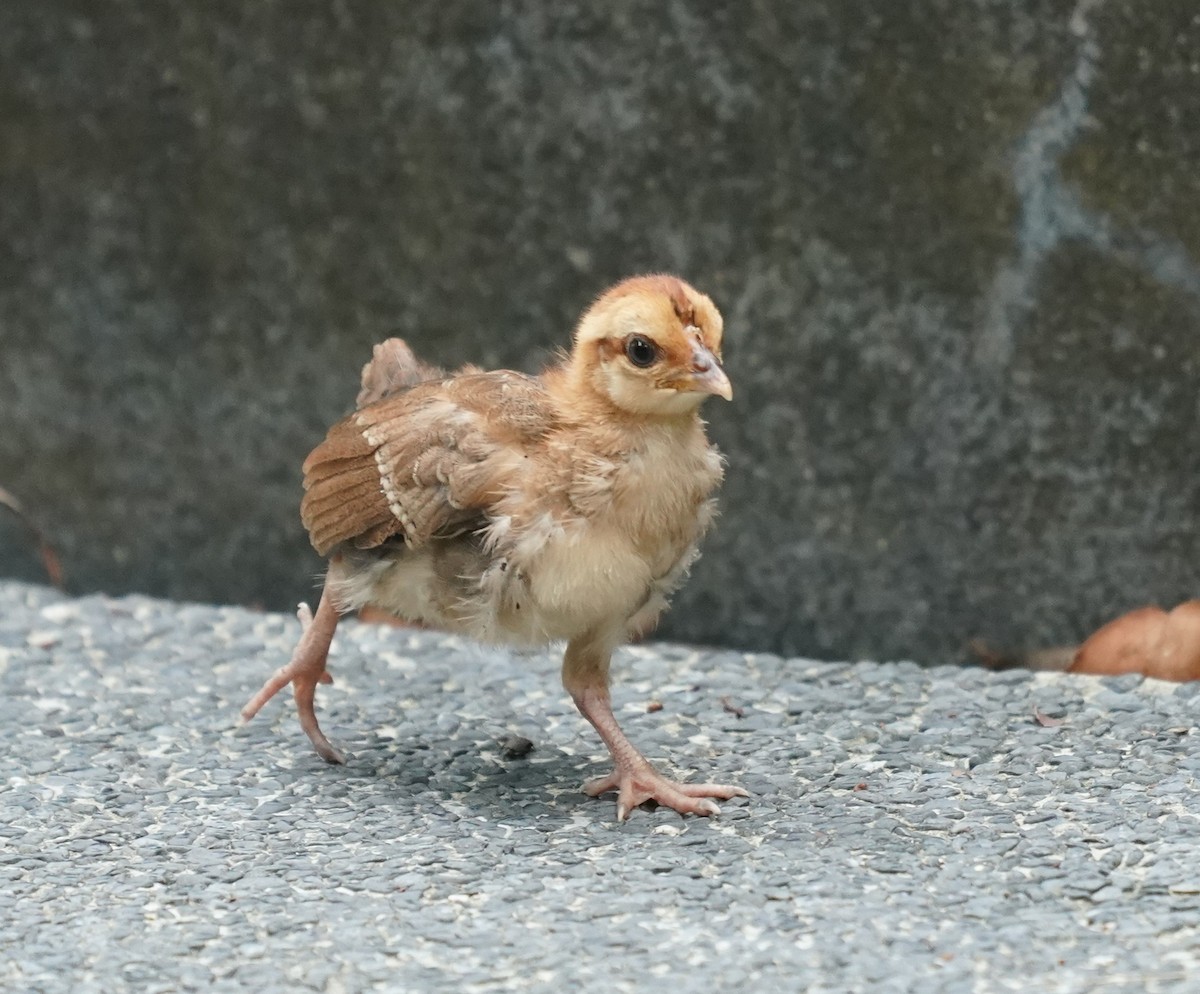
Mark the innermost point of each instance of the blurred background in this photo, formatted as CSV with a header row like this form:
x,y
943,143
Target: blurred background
x,y
956,243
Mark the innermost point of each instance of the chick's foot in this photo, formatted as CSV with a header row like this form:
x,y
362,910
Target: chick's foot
x,y
637,783
305,670
633,778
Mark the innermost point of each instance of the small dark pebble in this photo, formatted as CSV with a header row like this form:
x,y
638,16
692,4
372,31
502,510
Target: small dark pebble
x,y
515,746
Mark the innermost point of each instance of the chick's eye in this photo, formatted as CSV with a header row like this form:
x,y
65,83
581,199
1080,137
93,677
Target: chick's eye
x,y
640,351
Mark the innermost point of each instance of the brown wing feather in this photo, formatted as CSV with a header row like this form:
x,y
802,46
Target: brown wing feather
x,y
425,463
342,493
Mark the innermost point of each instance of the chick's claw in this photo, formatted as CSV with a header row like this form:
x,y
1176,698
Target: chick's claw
x,y
304,691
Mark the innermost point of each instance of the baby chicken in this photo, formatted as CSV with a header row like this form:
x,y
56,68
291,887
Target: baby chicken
x,y
527,509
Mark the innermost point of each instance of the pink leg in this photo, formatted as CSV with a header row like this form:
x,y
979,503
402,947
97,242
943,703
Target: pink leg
x,y
305,670
633,778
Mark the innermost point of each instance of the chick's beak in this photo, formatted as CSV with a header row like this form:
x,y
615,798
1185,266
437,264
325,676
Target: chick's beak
x,y
707,376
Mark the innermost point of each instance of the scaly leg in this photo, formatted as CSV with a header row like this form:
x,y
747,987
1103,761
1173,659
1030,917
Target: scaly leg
x,y
585,675
305,670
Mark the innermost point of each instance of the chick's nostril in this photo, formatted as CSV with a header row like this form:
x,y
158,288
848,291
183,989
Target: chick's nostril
x,y
701,362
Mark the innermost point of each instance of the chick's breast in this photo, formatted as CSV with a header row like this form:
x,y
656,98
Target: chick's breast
x,y
614,536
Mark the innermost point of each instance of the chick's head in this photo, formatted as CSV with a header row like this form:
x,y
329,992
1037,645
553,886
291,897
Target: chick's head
x,y
652,345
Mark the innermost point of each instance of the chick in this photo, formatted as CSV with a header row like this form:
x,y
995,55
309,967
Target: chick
x,y
527,509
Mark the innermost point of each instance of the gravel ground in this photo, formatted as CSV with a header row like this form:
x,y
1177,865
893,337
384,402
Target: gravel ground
x,y
910,829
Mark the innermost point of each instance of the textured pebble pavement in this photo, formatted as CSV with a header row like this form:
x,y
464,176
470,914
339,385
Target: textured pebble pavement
x,y
910,829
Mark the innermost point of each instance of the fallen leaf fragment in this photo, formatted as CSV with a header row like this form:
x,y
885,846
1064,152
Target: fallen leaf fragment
x,y
42,640
1045,720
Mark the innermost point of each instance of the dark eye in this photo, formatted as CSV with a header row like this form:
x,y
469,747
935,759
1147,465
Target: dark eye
x,y
640,351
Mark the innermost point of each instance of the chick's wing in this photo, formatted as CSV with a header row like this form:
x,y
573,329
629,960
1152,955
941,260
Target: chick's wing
x,y
425,464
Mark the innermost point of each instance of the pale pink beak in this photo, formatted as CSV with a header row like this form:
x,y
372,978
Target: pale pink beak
x,y
707,374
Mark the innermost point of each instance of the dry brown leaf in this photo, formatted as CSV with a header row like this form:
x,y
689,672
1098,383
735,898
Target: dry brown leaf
x,y
1150,641
50,561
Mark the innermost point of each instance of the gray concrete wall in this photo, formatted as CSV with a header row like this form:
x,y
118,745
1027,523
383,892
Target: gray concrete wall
x,y
956,244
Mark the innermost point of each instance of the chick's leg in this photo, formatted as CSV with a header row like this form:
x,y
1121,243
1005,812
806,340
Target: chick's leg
x,y
585,676
305,670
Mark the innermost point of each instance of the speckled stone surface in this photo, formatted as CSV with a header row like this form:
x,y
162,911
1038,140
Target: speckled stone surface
x,y
955,241
911,829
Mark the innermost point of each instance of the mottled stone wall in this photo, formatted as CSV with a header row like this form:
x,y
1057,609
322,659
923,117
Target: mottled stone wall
x,y
957,245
